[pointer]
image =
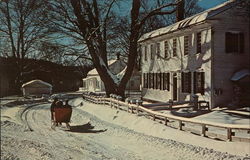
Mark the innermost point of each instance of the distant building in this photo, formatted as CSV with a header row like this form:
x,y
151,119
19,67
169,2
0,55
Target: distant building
x,y
198,55
36,87
94,83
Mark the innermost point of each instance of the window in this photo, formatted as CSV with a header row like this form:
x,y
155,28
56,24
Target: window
x,y
151,80
166,79
158,80
174,47
199,79
158,50
186,82
162,81
97,84
148,80
186,45
198,43
145,53
155,80
166,54
234,42
152,51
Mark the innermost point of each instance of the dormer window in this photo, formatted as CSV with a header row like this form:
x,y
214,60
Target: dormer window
x,y
198,43
158,50
166,54
152,51
186,45
145,53
174,47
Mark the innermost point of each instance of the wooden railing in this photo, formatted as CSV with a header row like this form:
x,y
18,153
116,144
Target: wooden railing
x,y
182,121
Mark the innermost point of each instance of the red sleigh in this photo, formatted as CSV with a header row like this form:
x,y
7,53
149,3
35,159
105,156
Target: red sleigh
x,y
62,114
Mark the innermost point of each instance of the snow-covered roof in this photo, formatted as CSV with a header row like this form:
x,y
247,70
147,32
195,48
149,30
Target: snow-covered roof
x,y
94,71
36,81
198,18
121,74
240,74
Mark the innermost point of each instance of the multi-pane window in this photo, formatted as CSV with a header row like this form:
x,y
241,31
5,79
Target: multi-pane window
x,y
234,42
152,51
151,80
158,50
186,82
166,54
199,79
145,53
198,43
186,45
156,81
166,84
174,47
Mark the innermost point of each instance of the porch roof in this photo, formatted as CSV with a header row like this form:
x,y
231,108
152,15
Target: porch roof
x,y
240,74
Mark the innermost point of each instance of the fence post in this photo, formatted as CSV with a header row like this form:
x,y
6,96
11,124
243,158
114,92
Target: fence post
x,y
153,117
166,121
229,134
195,102
170,104
127,101
180,125
203,130
138,102
110,103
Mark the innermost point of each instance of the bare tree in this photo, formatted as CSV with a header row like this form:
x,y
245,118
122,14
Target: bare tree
x,y
91,21
23,24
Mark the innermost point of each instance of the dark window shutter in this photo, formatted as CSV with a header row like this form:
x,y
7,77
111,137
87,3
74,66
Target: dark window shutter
x,y
202,83
182,82
227,45
149,80
194,82
152,79
145,80
241,42
160,81
164,81
168,81
189,82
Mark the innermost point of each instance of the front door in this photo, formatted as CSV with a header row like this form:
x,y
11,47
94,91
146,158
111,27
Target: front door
x,y
174,87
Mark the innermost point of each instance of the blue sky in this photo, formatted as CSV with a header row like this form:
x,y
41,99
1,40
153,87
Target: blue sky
x,y
206,4
210,3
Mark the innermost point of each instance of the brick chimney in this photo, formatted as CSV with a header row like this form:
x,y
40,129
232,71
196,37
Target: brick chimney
x,y
180,11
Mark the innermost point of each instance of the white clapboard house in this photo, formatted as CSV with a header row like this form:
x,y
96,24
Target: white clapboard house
x,y
206,54
117,66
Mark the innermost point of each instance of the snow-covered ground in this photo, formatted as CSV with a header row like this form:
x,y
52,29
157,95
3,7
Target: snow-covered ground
x,y
101,132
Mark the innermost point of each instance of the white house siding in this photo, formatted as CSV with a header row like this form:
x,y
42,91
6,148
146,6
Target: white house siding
x,y
94,83
225,64
181,63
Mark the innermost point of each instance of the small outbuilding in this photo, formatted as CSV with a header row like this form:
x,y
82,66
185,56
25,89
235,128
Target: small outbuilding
x,y
36,87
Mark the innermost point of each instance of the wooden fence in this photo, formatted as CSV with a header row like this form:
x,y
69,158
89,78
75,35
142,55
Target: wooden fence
x,y
204,127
